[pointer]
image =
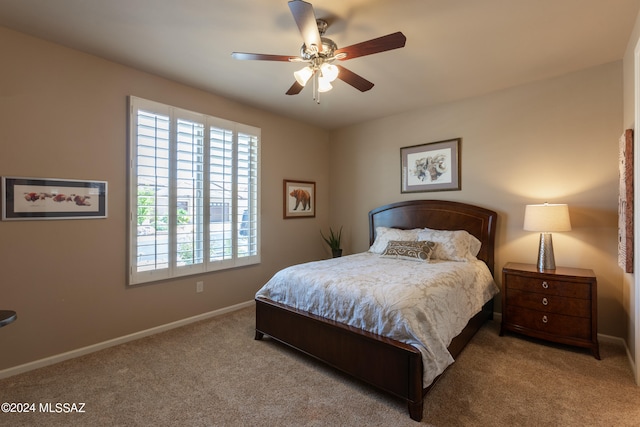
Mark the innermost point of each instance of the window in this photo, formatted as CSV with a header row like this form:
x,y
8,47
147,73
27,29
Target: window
x,y
194,193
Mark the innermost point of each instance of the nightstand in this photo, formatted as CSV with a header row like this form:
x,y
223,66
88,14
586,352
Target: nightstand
x,y
558,305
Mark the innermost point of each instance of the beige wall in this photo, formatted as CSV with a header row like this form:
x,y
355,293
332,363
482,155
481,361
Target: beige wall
x,y
63,115
554,140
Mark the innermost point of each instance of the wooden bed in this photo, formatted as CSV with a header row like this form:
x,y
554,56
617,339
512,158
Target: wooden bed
x,y
385,363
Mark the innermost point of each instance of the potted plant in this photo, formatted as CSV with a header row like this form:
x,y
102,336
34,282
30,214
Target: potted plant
x,y
334,242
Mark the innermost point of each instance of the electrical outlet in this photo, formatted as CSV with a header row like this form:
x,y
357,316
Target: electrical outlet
x,y
199,286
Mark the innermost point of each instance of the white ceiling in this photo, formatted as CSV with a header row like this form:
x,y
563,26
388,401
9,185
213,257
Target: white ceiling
x,y
455,48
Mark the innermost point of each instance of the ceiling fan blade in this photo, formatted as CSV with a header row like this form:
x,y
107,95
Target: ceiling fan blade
x,y
262,57
353,79
306,19
295,89
381,44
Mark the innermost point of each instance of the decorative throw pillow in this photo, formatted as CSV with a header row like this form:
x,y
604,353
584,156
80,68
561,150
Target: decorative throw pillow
x,y
409,250
385,234
452,245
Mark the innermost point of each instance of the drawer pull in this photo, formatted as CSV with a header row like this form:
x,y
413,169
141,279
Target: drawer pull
x,y
544,319
545,301
545,285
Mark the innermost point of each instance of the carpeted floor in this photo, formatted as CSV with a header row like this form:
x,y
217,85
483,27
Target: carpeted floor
x,y
213,373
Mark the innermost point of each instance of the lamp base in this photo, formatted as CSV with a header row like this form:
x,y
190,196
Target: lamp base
x,y
546,260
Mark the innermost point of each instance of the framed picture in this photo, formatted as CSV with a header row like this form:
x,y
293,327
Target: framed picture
x,y
299,199
625,202
431,167
51,198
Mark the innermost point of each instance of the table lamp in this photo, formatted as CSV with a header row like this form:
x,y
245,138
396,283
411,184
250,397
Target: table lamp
x,y
545,219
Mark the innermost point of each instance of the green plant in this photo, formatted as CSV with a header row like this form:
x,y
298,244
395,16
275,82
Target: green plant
x,y
146,204
183,217
334,238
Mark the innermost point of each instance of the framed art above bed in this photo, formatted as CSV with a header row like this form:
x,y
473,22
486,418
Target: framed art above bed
x,y
431,167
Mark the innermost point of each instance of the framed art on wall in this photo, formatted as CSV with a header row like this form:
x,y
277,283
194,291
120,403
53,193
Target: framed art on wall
x,y
431,167
299,199
52,198
625,202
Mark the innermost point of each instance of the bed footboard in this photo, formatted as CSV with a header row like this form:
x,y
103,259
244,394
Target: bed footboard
x,y
385,363
382,362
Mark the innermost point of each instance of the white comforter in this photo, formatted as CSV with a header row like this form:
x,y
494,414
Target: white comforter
x,y
424,304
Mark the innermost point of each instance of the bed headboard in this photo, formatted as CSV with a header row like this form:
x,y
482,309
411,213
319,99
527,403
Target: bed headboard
x,y
439,215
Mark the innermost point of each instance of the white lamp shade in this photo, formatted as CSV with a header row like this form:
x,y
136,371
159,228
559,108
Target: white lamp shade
x,y
302,76
324,85
547,218
329,72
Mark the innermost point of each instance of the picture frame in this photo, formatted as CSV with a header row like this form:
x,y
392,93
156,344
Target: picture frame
x,y
52,198
434,166
625,202
299,198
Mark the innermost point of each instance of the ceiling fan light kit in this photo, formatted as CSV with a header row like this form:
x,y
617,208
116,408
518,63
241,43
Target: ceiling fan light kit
x,y
303,75
319,53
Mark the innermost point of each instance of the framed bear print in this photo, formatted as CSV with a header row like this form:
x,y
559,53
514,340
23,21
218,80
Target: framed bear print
x,y
299,199
431,167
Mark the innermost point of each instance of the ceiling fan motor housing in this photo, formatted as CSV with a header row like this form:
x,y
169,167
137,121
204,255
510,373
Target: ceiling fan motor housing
x,y
328,48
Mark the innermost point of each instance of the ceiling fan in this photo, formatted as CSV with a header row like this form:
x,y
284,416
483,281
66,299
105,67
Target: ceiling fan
x,y
320,53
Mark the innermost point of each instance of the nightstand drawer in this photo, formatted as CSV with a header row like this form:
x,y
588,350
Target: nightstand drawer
x,y
549,303
550,323
550,287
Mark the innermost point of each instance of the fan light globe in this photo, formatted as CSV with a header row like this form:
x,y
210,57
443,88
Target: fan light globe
x,y
302,76
329,71
324,85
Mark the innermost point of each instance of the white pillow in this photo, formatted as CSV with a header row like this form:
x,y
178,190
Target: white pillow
x,y
474,245
385,234
452,245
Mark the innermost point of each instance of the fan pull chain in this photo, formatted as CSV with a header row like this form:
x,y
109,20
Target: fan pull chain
x,y
316,92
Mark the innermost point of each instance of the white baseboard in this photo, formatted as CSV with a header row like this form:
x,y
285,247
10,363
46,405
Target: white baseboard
x,y
5,373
